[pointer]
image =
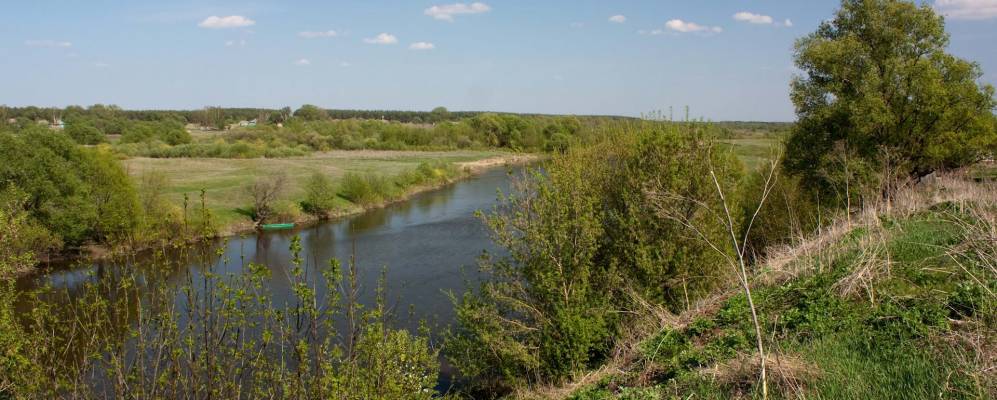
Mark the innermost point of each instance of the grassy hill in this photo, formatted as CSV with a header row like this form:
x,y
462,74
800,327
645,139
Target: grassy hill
x,y
898,303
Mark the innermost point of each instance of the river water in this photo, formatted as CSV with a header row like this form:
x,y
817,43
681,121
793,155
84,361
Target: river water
x,y
428,246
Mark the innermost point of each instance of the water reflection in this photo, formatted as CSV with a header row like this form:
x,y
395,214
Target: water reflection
x,y
424,243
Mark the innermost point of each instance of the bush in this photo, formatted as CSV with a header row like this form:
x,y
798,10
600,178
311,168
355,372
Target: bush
x,y
576,234
320,195
76,194
368,188
85,133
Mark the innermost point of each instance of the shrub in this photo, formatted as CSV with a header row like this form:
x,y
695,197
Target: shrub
x,y
578,232
76,194
85,133
320,195
368,188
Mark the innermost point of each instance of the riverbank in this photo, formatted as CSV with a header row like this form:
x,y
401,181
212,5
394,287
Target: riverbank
x,y
469,163
468,169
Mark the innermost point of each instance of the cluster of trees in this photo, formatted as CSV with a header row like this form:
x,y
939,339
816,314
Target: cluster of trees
x,y
302,135
73,195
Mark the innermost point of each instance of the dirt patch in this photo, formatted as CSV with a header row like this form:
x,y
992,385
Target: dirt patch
x,y
492,162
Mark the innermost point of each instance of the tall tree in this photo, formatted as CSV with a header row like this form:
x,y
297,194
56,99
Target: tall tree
x,y
877,84
309,112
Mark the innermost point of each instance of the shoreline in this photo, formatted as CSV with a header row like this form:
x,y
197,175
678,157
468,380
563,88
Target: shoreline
x,y
100,252
469,168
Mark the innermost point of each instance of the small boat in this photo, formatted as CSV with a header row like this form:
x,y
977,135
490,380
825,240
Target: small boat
x,y
276,227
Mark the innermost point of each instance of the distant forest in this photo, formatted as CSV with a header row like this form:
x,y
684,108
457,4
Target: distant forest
x,y
220,117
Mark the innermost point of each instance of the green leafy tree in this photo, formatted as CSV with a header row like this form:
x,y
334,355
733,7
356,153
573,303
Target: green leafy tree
x,y
74,193
320,195
877,81
309,112
439,114
83,132
113,196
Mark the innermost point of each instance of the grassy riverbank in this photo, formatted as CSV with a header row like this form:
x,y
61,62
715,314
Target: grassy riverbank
x,y
896,302
225,180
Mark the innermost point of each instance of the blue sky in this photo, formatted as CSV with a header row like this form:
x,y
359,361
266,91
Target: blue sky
x,y
519,56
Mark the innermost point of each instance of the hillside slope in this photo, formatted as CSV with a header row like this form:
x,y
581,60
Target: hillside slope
x,y
898,303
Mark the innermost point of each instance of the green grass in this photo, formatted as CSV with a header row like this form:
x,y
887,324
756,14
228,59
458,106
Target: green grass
x,y
754,152
226,179
889,346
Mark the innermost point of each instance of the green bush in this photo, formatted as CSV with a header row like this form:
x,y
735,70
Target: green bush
x,y
85,133
76,194
366,189
320,195
576,234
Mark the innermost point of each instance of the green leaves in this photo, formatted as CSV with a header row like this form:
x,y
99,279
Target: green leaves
x,y
878,83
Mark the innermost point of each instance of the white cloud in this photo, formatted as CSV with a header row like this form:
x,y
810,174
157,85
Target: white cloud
x,y
446,12
788,23
233,43
344,64
679,25
47,43
619,19
321,34
745,16
383,38
967,9
577,25
304,62
422,46
231,21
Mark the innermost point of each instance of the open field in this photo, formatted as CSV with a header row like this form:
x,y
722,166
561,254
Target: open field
x,y
225,180
754,152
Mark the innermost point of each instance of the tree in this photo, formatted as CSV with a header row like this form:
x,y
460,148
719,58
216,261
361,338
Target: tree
x,y
309,112
83,132
265,191
877,80
320,195
439,114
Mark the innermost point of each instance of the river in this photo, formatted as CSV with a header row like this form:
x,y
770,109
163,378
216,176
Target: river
x,y
428,246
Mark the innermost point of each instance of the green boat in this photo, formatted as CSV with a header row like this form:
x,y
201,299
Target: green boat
x,y
275,227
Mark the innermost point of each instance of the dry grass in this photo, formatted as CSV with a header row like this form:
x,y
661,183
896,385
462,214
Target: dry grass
x,y
789,373
872,265
976,345
808,254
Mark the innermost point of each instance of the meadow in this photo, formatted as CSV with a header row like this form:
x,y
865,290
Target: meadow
x,y
225,180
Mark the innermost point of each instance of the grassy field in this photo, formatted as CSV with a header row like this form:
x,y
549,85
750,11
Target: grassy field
x,y
755,152
225,180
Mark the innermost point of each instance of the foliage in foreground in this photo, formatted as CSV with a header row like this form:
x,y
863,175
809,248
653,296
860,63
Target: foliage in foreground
x,y
579,233
132,335
899,308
